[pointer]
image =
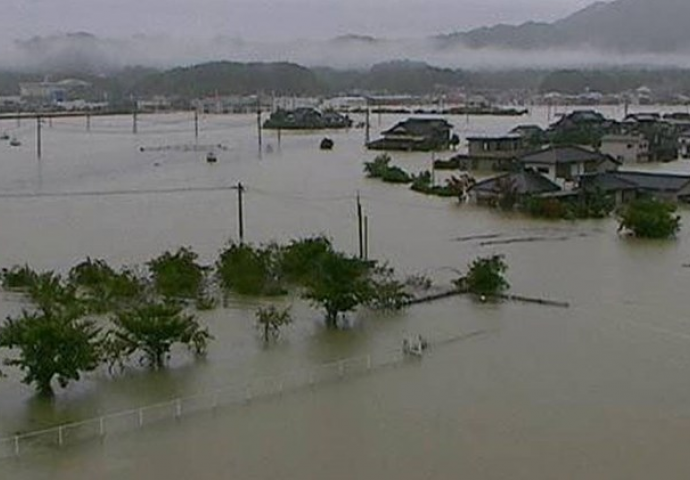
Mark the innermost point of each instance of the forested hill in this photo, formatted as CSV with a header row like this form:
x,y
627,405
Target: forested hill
x,y
622,26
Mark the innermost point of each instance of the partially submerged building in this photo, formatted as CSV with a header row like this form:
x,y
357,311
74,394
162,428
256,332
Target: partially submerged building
x,y
563,165
495,152
416,134
306,119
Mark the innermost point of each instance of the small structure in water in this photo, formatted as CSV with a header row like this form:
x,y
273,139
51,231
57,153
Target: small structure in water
x,y
414,346
4,136
326,144
15,142
211,157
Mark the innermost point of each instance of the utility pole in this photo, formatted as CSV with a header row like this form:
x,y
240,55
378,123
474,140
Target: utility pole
x,y
38,136
258,122
366,237
240,210
88,122
135,108
367,126
196,125
360,230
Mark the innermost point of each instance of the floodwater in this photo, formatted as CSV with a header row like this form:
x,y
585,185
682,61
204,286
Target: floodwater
x,y
596,391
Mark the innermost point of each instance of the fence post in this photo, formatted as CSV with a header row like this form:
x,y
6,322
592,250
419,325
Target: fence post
x,y
60,436
368,362
16,445
341,368
214,405
178,409
141,417
101,427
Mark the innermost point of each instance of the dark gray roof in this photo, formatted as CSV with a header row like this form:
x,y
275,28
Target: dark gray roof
x,y
606,181
420,126
509,136
567,154
655,181
524,183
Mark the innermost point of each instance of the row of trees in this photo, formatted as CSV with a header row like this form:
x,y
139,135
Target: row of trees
x,y
96,315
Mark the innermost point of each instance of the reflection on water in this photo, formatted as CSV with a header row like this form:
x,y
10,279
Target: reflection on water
x,y
595,391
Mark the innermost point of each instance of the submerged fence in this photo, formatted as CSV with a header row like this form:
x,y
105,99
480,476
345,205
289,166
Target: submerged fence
x,y
241,394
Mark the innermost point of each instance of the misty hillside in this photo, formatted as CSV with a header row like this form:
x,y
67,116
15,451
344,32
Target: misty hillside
x,y
623,26
226,78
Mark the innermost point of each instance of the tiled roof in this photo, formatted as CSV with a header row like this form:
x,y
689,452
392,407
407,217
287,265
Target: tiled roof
x,y
568,154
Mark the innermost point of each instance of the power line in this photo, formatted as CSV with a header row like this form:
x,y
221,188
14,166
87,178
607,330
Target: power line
x,y
115,192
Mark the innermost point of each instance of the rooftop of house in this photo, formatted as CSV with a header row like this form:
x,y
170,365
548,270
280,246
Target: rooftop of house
x,y
605,181
495,138
655,181
419,126
524,183
564,154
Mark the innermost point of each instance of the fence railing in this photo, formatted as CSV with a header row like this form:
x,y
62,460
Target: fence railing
x,y
240,394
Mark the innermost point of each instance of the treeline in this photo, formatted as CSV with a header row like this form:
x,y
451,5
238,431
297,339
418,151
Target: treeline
x,y
396,77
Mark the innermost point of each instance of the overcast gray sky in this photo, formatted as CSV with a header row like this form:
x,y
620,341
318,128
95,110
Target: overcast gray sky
x,y
268,19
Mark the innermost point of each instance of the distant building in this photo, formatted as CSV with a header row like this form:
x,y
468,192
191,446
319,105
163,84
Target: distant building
x,y
631,148
50,93
306,119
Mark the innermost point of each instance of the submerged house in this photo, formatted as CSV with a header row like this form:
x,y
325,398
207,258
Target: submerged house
x,y
495,153
517,184
673,187
306,119
626,148
563,165
415,134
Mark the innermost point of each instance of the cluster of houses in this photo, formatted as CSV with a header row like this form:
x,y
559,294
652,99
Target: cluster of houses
x,y
554,162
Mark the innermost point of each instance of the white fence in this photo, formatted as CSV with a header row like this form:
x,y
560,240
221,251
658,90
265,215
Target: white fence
x,y
130,420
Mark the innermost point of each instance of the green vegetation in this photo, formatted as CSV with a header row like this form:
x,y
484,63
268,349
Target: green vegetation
x,y
178,275
594,204
144,317
381,168
423,183
151,330
649,218
51,345
248,270
269,321
102,289
485,276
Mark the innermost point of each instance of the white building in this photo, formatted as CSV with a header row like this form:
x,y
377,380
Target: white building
x,y
626,148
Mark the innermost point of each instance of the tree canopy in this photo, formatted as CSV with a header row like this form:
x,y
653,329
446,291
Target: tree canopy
x,y
649,218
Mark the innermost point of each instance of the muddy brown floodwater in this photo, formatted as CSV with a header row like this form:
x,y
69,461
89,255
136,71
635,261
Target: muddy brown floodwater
x,y
596,391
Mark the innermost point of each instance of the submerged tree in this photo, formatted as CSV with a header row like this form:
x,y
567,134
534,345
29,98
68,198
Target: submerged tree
x,y
152,329
339,284
269,321
486,276
103,289
178,274
248,270
649,218
51,345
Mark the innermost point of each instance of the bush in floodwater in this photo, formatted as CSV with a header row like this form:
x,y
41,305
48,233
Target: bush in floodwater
x,y
18,277
649,218
102,288
486,276
249,270
177,275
